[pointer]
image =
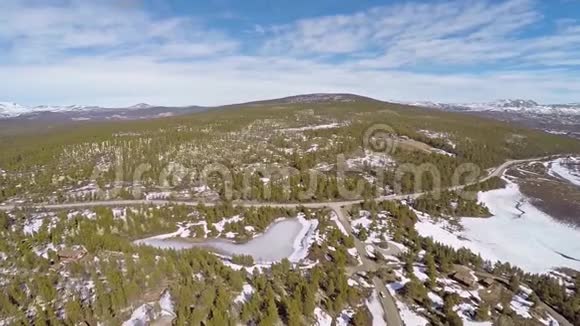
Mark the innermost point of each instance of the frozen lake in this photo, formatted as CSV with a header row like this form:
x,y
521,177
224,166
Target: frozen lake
x,y
566,168
287,238
523,236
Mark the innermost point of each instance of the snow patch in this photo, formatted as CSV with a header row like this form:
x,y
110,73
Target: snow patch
x,y
376,309
314,127
245,295
322,318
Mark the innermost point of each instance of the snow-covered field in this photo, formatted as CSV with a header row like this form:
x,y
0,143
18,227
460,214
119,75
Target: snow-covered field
x,y
287,238
525,237
566,168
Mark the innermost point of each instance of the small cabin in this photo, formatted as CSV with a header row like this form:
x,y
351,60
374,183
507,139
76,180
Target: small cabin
x,y
487,282
464,276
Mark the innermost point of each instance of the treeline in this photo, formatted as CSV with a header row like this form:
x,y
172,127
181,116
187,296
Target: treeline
x,y
487,185
450,203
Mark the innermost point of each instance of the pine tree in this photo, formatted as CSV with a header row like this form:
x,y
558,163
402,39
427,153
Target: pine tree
x,y
73,310
292,308
271,310
415,290
431,270
363,234
361,318
514,283
506,299
482,312
309,298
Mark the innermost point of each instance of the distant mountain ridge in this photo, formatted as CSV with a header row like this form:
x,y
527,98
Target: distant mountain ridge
x,y
562,119
62,114
524,106
553,118
11,110
507,105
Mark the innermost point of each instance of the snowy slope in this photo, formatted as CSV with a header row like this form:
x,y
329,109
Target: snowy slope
x,y
8,109
530,240
509,106
11,110
567,169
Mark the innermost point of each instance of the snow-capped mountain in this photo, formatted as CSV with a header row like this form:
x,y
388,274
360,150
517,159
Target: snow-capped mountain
x,y
517,106
10,110
563,119
48,113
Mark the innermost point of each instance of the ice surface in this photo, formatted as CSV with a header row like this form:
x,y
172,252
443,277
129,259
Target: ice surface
x,y
566,168
532,241
287,238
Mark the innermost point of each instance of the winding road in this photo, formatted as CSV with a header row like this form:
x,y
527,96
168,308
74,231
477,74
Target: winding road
x,y
391,313
390,309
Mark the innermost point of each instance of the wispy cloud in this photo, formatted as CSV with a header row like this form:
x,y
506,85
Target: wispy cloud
x,y
77,28
444,33
72,51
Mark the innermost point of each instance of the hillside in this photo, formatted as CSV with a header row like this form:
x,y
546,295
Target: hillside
x,y
301,132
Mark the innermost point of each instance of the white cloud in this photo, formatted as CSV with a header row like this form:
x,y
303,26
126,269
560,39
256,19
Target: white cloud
x,y
41,32
460,33
235,79
81,52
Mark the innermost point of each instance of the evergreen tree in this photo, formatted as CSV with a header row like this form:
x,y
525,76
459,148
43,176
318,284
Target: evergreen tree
x,y
361,318
482,312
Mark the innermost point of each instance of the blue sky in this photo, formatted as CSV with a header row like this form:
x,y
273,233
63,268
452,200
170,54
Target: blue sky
x,y
121,52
